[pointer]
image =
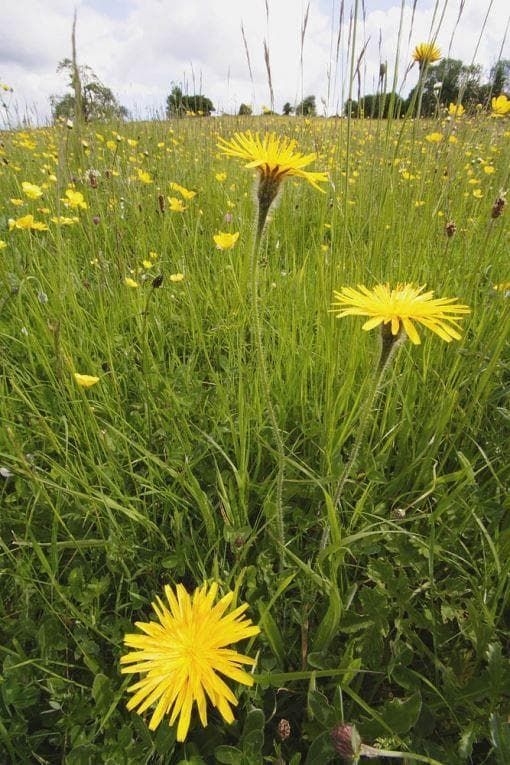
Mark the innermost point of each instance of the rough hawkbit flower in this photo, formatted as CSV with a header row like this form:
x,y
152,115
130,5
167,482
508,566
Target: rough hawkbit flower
x,y
500,106
183,654
398,308
225,241
426,53
275,159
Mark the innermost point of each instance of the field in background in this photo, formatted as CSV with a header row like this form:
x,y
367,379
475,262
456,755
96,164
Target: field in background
x,y
164,470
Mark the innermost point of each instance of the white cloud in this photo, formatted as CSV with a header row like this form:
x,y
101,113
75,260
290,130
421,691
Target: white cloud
x,y
146,44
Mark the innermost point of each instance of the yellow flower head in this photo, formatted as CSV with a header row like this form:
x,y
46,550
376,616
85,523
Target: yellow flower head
x,y
85,381
401,306
186,193
434,137
31,190
455,110
275,158
426,53
175,205
183,654
130,282
27,222
500,106
175,278
225,241
75,199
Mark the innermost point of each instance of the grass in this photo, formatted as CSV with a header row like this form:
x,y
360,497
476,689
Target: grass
x,y
166,470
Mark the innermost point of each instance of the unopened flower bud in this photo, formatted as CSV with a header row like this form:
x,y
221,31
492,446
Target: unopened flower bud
x,y
498,207
346,740
450,229
283,729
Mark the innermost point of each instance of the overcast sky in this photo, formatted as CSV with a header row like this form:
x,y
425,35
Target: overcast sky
x,y
139,47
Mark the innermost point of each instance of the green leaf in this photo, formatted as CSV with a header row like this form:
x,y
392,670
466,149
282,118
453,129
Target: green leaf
x,y
320,708
500,736
328,627
228,755
102,692
321,750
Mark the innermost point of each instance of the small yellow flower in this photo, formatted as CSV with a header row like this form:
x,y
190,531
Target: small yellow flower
x,y
434,137
3,244
221,177
182,191
175,205
130,282
426,53
176,278
31,190
147,263
225,241
500,106
402,305
488,169
16,202
85,381
455,110
27,222
182,655
63,220
478,193
74,199
144,176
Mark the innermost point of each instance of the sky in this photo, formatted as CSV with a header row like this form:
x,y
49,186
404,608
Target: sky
x,y
139,48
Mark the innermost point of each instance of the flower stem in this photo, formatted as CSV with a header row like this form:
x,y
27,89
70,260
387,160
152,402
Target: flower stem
x,y
389,344
266,197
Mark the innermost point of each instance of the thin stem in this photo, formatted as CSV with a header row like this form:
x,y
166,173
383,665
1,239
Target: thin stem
x,y
266,196
389,345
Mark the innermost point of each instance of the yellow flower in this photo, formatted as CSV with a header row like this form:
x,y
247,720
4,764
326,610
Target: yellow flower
x,y
3,244
183,654
85,381
182,191
144,176
455,110
31,190
176,278
225,241
176,205
275,158
130,282
401,306
27,222
63,220
221,177
434,137
426,53
502,287
478,193
75,199
16,202
500,106
488,169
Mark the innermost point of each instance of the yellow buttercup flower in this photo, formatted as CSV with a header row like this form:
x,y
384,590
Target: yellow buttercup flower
x,y
500,106
31,190
434,137
274,158
426,53
144,176
27,222
130,282
399,308
183,654
85,381
75,199
175,278
225,241
455,110
3,244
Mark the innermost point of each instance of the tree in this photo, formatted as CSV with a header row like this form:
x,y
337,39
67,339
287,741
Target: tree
x,y
500,77
445,82
178,105
376,106
96,101
287,109
307,107
245,110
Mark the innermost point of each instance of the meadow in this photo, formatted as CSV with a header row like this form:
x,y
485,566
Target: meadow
x,y
177,409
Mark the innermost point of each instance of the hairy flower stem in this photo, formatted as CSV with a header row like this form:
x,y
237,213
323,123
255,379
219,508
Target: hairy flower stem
x,y
389,344
267,192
